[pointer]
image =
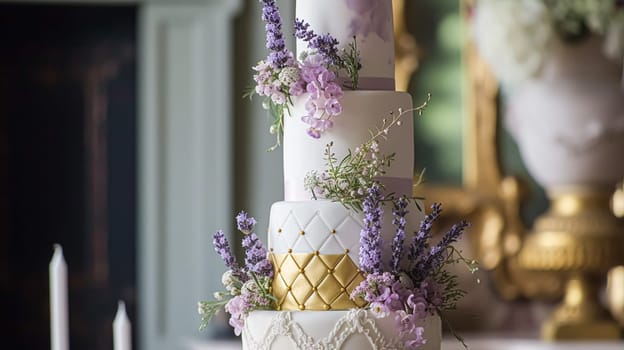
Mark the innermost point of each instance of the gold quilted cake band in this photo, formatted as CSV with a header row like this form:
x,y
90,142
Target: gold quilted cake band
x,y
313,281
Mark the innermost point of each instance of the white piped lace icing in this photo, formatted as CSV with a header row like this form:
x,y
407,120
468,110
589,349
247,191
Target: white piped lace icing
x,y
355,321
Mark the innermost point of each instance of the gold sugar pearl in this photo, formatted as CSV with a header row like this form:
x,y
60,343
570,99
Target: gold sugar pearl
x,y
333,232
301,270
279,230
330,270
301,307
316,252
278,308
289,288
314,288
326,306
289,250
342,289
302,233
279,270
271,250
347,251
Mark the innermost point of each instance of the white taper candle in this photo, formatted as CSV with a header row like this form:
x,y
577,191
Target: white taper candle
x,y
122,336
59,324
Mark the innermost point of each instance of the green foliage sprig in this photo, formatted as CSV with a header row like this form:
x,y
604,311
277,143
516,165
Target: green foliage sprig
x,y
346,180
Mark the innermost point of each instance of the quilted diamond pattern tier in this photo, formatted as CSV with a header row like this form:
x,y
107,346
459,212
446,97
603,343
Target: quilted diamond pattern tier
x,y
314,226
305,281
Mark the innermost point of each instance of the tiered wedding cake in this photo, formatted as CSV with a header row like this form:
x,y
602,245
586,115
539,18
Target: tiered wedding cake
x,y
314,244
333,276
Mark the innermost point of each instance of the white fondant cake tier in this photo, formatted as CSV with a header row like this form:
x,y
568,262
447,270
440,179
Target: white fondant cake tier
x,y
309,226
355,329
362,111
369,21
328,227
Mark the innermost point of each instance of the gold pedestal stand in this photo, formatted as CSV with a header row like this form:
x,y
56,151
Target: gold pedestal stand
x,y
579,239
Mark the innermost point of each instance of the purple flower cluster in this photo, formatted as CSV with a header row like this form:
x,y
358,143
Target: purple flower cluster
x,y
249,287
383,291
370,236
240,306
438,253
420,243
409,331
276,84
222,247
245,223
386,294
326,45
415,287
256,260
279,55
280,76
323,102
398,212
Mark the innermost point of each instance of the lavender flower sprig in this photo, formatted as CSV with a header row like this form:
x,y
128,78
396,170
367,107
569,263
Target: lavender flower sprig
x,y
256,256
245,223
222,247
247,288
370,236
347,180
399,212
326,44
437,253
420,242
279,55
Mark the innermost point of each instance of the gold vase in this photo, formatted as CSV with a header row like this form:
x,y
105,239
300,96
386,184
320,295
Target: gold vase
x,y
580,239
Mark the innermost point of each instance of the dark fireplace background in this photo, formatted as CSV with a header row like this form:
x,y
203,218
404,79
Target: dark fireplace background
x,y
67,168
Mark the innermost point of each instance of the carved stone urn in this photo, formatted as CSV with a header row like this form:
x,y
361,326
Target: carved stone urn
x,y
569,126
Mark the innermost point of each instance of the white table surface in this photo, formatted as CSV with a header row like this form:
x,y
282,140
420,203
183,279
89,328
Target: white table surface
x,y
476,342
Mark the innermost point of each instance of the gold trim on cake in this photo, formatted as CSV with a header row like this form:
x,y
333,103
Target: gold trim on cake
x,y
313,281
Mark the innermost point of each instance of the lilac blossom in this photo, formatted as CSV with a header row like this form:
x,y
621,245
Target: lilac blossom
x,y
256,260
279,55
409,331
377,287
245,223
406,323
237,308
418,305
323,101
266,83
399,212
398,296
418,341
432,292
370,236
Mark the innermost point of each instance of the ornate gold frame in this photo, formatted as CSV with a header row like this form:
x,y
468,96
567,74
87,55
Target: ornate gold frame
x,y
522,265
488,198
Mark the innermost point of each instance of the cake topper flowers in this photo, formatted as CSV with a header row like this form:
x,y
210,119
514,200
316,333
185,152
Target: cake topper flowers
x,y
280,77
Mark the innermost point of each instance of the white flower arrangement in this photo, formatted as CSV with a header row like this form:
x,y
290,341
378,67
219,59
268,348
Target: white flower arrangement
x,y
516,36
